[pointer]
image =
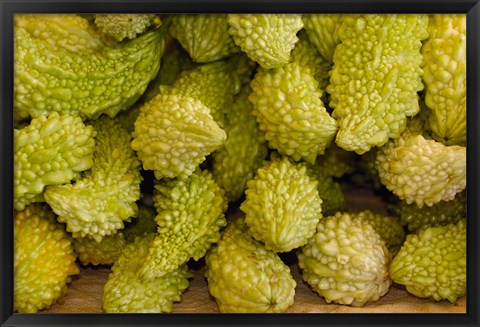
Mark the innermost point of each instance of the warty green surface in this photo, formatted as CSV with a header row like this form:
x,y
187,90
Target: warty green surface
x,y
282,205
441,213
445,77
420,170
244,277
43,259
190,216
322,31
329,190
173,135
204,36
288,108
51,150
123,26
388,227
98,203
214,84
174,60
375,77
105,252
267,39
346,261
433,263
307,55
245,150
126,292
62,65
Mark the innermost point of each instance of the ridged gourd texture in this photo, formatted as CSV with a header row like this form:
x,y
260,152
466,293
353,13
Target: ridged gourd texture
x,y
445,77
322,31
51,150
288,107
307,54
214,84
388,227
105,252
126,292
346,261
433,263
267,39
282,206
421,170
173,135
245,150
44,261
329,190
190,216
244,277
204,36
62,65
104,197
375,79
241,147
123,26
441,213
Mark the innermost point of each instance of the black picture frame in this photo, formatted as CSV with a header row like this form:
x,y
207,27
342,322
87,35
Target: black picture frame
x,y
10,7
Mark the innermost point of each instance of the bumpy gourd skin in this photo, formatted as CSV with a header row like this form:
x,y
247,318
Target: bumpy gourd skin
x,y
126,292
289,110
51,150
346,261
420,170
375,78
204,36
445,75
190,216
282,205
322,31
267,39
244,277
329,190
123,26
388,227
432,263
307,55
105,252
174,61
62,65
99,202
244,151
173,135
43,259
441,213
214,84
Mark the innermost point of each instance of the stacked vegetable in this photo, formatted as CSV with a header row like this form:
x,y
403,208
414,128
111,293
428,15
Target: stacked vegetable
x,y
147,142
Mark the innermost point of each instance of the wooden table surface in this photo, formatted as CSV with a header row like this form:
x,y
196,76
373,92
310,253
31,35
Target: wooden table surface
x,y
85,291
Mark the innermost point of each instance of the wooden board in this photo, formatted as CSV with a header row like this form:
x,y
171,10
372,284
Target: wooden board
x,y
85,291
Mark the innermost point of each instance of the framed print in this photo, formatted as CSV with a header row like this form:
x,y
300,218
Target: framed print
x,y
243,162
